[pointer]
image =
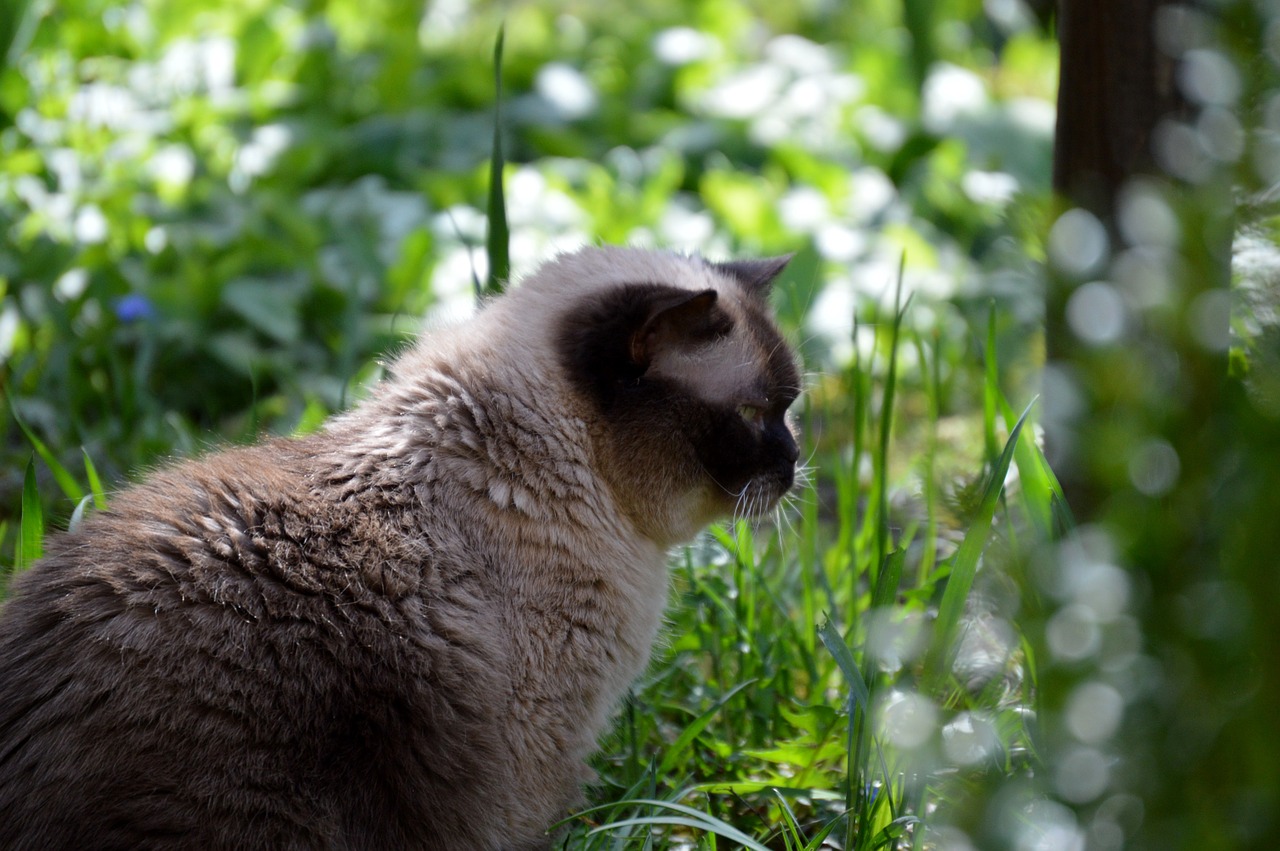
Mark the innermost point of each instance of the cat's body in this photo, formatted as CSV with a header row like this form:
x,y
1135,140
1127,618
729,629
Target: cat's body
x,y
408,630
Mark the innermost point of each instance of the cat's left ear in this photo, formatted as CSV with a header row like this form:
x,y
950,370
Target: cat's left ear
x,y
675,318
755,276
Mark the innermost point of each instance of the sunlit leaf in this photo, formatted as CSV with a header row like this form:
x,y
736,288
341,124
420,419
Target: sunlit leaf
x,y
31,526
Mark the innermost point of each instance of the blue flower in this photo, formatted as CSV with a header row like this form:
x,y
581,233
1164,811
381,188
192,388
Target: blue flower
x,y
134,307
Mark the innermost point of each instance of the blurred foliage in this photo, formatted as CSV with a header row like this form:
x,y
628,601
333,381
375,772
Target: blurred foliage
x,y
216,215
1178,458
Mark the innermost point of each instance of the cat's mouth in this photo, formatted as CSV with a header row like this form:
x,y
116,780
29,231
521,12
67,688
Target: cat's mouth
x,y
760,496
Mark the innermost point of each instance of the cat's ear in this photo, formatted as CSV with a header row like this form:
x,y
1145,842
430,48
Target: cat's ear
x,y
755,276
673,320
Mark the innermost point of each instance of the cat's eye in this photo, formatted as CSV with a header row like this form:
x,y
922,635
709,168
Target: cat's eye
x,y
751,414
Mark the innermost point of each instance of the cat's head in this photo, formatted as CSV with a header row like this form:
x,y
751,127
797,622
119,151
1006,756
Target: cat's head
x,y
686,379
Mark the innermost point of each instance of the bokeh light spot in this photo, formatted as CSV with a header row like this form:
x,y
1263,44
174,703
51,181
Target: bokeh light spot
x,y
1094,711
1096,313
1154,467
1078,244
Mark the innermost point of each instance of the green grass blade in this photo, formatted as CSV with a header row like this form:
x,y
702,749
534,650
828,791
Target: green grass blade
x,y
312,418
65,480
745,787
1041,492
31,527
791,826
676,752
886,418
819,840
894,831
18,21
95,482
886,590
689,817
1064,521
931,376
964,565
498,243
844,659
990,388
859,708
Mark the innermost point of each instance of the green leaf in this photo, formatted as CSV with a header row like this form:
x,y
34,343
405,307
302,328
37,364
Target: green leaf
x,y
1040,489
498,243
886,417
31,534
313,417
844,658
95,483
991,387
886,590
749,787
65,480
964,565
894,831
18,20
792,825
270,305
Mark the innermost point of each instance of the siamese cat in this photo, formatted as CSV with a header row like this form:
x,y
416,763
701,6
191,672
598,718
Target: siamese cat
x,y
407,630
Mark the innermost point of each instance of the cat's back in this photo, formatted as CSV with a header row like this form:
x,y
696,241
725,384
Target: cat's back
x,y
208,665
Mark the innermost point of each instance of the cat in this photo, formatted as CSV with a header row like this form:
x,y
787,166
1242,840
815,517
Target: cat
x,y
408,629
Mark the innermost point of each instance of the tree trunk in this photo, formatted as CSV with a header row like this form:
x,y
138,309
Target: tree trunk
x,y
1114,88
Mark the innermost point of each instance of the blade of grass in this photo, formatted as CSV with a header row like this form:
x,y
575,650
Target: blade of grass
x,y
844,660
886,417
65,480
676,752
1040,488
819,840
18,20
808,559
498,242
745,787
886,590
931,376
964,566
894,831
790,827
689,817
31,526
95,482
643,789
859,712
990,388
854,534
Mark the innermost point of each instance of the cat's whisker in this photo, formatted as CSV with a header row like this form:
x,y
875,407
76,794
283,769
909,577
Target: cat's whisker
x,y
778,345
809,380
803,476
739,511
783,519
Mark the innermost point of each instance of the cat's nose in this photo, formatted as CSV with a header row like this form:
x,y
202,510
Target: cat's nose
x,y
784,442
